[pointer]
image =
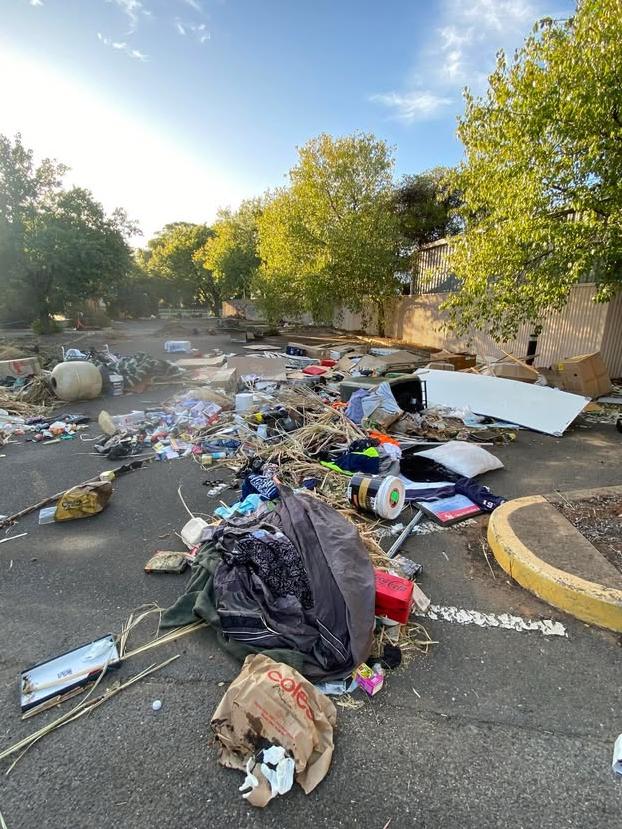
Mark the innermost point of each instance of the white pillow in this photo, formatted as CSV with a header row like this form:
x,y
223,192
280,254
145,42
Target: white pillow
x,y
466,459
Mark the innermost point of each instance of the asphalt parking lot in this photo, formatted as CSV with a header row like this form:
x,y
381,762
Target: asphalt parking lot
x,y
492,727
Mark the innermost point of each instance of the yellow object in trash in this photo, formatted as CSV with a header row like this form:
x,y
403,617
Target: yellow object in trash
x,y
83,501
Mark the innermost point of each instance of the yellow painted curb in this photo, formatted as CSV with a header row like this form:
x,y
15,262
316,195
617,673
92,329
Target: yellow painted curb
x,y
587,600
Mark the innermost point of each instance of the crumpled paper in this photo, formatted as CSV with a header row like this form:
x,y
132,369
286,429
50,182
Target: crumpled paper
x,y
271,714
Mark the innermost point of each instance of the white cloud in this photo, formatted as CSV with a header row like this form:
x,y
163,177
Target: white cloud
x,y
497,14
461,52
413,106
198,31
122,46
36,2
122,156
133,10
194,4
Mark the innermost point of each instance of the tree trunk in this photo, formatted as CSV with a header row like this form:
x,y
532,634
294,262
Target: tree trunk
x,y
381,319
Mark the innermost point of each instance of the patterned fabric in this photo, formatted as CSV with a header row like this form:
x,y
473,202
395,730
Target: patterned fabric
x,y
136,368
277,563
260,485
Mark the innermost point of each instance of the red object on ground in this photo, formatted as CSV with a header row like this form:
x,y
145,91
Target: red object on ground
x,y
328,363
315,370
394,596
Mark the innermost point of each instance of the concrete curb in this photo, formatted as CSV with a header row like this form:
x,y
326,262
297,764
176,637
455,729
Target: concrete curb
x,y
589,601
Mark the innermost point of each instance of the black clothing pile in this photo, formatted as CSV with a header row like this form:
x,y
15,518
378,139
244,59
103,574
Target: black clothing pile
x,y
296,584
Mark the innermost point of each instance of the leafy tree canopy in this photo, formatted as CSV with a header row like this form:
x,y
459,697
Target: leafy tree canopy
x,y
231,253
542,178
173,255
57,246
426,208
331,238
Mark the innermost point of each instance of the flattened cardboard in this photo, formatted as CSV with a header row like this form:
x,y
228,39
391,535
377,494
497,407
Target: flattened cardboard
x,y
536,407
264,367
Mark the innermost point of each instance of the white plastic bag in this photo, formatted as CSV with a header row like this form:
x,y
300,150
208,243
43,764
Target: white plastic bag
x,y
463,458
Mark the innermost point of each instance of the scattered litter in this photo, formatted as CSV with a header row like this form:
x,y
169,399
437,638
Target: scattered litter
x,y
384,496
176,346
535,407
326,456
369,679
394,596
616,764
491,620
12,537
270,704
164,561
63,674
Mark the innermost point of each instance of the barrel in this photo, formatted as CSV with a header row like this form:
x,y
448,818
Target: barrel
x,y
76,380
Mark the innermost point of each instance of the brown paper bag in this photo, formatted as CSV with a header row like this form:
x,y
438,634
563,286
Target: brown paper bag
x,y
271,703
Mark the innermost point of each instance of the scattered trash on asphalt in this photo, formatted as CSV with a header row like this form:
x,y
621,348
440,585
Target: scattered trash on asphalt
x,y
270,723
616,764
12,537
164,561
507,621
334,464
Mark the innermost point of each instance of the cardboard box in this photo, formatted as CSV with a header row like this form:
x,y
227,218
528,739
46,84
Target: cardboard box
x,y
394,596
441,365
271,368
368,680
585,374
512,371
397,361
460,360
20,367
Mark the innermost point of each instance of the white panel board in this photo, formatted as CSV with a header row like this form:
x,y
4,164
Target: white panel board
x,y
540,408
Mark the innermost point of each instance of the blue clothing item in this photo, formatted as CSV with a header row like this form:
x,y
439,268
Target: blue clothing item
x,y
358,462
354,409
260,485
479,494
248,505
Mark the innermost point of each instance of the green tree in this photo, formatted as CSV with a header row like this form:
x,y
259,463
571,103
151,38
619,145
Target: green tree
x,y
174,256
140,294
541,182
56,246
426,208
231,253
332,238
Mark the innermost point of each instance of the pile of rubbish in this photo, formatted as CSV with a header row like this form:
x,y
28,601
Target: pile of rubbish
x,y
336,458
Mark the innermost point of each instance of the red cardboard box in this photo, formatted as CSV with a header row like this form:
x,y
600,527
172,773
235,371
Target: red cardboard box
x,y
394,596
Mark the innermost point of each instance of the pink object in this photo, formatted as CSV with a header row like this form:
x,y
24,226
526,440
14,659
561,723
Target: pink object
x,y
313,370
369,681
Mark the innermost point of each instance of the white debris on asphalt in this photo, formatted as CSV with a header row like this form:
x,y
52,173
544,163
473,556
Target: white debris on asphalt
x,y
491,620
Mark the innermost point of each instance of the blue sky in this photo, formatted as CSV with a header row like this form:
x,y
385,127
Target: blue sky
x,y
172,108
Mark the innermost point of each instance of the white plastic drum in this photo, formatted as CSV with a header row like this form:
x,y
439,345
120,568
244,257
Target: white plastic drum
x,y
76,380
